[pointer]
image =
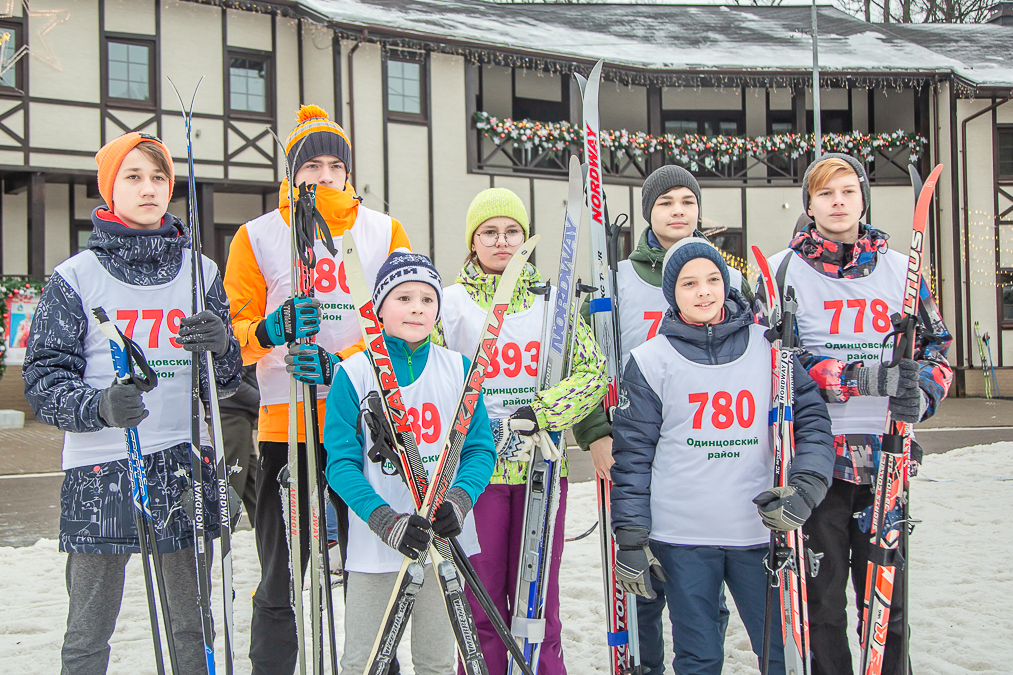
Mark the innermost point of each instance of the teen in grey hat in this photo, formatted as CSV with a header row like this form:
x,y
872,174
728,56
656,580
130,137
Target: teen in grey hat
x,y
661,181
863,179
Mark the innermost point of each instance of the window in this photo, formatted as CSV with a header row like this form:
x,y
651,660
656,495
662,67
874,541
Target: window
x,y
82,232
1006,288
10,55
404,87
703,122
729,241
248,84
1005,135
129,70
536,96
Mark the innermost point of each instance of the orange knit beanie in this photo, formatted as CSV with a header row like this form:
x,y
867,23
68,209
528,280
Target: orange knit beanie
x,y
111,155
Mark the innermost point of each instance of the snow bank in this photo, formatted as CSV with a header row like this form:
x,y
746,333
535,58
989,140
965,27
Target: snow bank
x,y
961,591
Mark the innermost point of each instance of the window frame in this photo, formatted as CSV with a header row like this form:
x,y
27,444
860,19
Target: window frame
x,y
269,104
1001,129
421,117
703,116
17,29
138,40
1004,278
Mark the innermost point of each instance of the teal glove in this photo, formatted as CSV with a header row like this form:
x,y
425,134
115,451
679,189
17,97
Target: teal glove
x,y
294,319
311,364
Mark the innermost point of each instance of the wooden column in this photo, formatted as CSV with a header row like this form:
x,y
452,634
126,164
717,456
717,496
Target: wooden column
x,y
206,212
37,226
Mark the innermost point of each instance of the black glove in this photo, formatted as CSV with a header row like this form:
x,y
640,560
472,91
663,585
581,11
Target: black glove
x,y
900,383
407,533
449,517
635,564
787,508
203,332
121,406
293,319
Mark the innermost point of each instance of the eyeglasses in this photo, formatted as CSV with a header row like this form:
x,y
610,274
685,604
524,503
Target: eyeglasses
x,y
511,237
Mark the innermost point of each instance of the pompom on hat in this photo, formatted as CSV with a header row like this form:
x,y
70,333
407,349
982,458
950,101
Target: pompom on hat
x,y
492,203
401,267
681,253
322,137
110,156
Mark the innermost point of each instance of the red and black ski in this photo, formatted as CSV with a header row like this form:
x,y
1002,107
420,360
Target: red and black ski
x,y
891,487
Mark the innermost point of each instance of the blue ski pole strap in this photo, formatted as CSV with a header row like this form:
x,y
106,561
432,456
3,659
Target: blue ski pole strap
x,y
601,305
772,416
618,639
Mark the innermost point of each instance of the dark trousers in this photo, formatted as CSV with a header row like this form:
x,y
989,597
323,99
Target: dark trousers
x,y
652,633
237,432
693,592
833,531
273,644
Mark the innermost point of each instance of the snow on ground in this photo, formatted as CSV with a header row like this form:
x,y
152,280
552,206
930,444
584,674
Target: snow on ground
x,y
962,585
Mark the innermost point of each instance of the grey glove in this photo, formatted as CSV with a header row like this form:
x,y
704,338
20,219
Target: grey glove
x,y
787,508
203,332
508,444
877,379
448,521
121,406
407,533
635,564
900,383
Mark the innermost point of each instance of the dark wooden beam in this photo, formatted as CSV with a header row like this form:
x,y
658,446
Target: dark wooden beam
x,y
37,226
206,212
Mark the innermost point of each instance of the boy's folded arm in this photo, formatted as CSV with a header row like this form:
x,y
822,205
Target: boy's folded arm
x,y
55,363
814,438
636,429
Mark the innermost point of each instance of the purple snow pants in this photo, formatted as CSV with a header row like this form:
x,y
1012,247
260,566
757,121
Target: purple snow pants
x,y
499,518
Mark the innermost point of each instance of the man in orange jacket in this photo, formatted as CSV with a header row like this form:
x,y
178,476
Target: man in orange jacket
x,y
269,320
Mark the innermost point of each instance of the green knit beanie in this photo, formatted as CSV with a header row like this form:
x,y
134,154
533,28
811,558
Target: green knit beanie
x,y
490,204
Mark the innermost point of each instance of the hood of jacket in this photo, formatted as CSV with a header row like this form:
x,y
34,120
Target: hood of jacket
x,y
839,260
138,257
712,344
649,256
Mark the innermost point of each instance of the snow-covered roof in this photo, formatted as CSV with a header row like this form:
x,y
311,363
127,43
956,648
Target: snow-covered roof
x,y
698,38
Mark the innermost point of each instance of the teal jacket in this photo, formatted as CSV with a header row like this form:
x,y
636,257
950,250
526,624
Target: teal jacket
x,y
343,439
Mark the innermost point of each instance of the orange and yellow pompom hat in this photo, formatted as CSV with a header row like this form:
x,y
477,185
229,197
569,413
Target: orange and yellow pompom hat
x,y
322,137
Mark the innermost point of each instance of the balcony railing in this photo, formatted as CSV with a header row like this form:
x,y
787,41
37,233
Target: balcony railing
x,y
529,147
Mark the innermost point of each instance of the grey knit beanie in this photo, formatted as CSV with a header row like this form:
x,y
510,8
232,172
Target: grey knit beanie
x,y
661,181
863,179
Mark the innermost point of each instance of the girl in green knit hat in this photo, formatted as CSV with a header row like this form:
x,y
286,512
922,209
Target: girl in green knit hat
x,y
496,226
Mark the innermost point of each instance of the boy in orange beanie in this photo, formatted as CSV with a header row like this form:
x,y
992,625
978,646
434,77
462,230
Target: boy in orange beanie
x,y
136,267
268,323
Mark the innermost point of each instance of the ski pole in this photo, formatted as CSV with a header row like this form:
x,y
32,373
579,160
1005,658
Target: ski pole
x,y
124,352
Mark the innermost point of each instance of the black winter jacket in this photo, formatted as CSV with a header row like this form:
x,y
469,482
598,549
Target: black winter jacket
x,y
637,426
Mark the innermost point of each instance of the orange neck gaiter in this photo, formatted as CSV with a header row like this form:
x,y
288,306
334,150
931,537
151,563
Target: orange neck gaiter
x,y
338,207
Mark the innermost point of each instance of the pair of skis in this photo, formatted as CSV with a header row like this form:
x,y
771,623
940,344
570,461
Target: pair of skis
x,y
543,475
987,368
428,492
126,353
891,487
196,422
621,607
786,556
306,226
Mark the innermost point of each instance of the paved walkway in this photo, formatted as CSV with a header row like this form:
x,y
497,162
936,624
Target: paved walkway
x,y
30,474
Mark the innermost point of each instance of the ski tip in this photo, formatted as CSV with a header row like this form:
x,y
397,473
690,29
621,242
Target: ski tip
x,y
100,314
596,71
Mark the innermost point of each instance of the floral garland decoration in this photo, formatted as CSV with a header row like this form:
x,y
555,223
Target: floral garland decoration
x,y
14,288
693,150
